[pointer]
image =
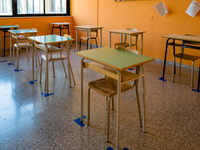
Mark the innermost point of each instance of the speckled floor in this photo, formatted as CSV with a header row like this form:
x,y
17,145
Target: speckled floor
x,y
30,121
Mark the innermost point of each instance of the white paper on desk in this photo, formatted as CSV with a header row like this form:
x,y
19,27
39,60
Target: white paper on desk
x,y
193,8
160,7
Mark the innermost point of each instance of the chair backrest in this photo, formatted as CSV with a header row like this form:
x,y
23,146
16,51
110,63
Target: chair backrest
x,y
126,35
128,50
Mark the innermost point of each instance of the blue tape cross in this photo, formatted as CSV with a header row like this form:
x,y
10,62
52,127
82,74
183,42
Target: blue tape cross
x,y
110,148
9,63
3,61
45,95
31,82
78,121
161,78
195,90
18,70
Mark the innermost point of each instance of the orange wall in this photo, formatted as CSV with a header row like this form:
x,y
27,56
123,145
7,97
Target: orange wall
x,y
41,23
137,14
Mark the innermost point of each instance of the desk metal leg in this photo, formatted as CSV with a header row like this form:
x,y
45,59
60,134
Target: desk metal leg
x,y
82,89
77,39
52,28
47,70
144,100
89,39
118,110
10,49
198,79
110,39
141,44
100,37
165,60
4,45
130,40
32,53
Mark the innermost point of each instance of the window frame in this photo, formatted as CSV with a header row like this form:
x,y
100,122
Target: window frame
x,y
14,11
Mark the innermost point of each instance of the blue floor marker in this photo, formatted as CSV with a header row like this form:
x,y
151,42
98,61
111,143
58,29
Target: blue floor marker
x,y
3,61
4,56
31,82
9,63
110,148
195,90
78,121
161,78
45,95
18,70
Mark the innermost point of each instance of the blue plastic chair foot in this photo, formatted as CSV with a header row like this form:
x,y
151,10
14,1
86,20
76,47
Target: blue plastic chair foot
x,y
196,90
9,63
18,70
78,121
45,95
3,61
31,82
161,78
131,69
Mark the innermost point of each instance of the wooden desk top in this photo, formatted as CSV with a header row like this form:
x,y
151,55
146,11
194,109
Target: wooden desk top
x,y
8,26
128,32
88,27
117,59
61,23
50,39
22,31
183,37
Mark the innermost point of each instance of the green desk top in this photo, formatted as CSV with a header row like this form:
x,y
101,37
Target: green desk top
x,y
22,31
50,39
183,37
118,59
8,26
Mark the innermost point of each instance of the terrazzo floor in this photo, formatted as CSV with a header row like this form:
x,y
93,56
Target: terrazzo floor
x,y
29,121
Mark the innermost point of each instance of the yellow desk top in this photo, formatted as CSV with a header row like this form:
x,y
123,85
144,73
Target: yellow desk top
x,y
124,31
183,37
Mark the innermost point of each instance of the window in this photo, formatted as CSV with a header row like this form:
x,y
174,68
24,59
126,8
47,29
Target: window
x,y
34,7
5,7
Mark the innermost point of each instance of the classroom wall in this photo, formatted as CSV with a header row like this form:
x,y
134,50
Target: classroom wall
x,y
41,23
142,15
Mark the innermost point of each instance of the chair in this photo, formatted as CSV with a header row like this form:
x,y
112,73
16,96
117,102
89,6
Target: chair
x,y
124,44
26,45
182,55
55,54
86,38
107,86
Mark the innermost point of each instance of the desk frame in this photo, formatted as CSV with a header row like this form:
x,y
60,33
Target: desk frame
x,y
88,28
128,33
5,29
61,27
183,38
118,77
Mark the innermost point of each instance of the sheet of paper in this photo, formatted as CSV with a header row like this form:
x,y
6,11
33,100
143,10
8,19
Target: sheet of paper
x,y
193,8
160,7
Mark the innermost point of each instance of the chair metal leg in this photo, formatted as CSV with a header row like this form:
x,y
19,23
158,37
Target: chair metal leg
x,y
17,58
87,44
64,68
113,103
80,45
53,69
180,66
41,70
13,59
27,53
88,115
96,43
192,74
173,69
72,73
35,58
108,119
138,103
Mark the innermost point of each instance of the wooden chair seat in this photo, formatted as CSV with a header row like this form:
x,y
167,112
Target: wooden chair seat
x,y
21,45
50,47
187,56
123,44
54,57
107,86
